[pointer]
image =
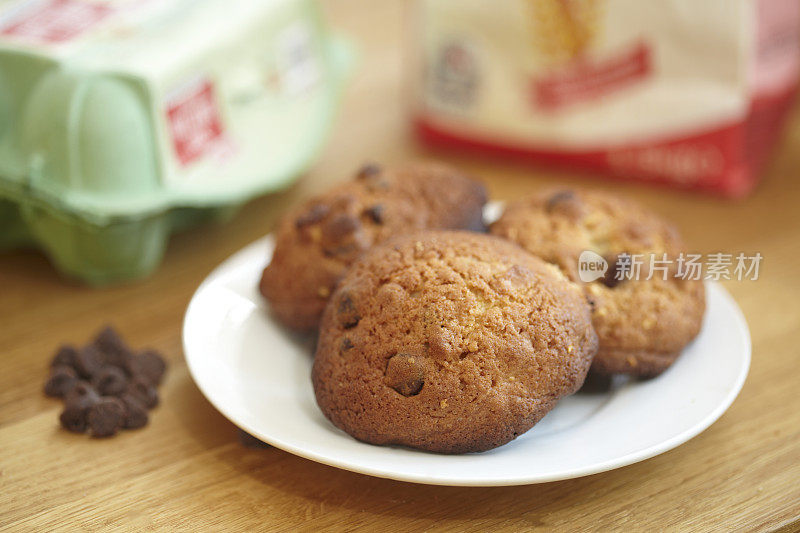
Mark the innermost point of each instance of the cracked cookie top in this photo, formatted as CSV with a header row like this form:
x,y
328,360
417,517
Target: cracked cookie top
x,y
450,342
316,242
643,324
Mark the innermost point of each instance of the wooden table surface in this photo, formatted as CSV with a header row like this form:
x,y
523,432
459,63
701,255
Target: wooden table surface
x,y
187,469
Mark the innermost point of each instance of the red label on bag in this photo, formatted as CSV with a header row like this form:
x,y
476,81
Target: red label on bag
x,y
194,120
586,79
725,158
55,21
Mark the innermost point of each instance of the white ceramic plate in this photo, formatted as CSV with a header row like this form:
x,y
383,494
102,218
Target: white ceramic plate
x,y
258,376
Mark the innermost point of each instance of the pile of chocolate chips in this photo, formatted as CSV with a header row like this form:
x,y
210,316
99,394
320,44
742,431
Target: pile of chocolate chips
x,y
105,385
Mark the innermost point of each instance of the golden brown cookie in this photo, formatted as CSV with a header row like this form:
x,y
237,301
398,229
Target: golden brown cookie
x,y
642,325
451,342
318,241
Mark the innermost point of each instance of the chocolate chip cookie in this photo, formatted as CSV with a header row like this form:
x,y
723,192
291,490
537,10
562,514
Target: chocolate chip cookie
x,y
643,325
450,342
318,241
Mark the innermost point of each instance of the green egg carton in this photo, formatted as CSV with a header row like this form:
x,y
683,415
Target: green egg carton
x,y
122,121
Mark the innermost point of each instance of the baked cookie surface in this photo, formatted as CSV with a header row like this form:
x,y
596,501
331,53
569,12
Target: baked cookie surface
x,y
643,325
316,242
450,342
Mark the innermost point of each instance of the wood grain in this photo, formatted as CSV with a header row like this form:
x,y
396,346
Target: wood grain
x,y
187,470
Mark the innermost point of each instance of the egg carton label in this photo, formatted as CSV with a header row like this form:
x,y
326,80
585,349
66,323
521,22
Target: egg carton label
x,y
194,121
54,21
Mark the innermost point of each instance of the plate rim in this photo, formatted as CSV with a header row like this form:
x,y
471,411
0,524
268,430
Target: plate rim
x,y
671,443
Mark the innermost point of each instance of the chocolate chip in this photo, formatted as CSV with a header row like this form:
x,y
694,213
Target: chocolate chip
x,y
559,198
339,228
82,391
346,345
375,213
110,381
106,417
372,176
88,361
144,392
610,279
315,214
148,365
62,380
249,441
369,170
135,412
107,339
346,312
405,374
114,351
74,416
565,203
65,356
